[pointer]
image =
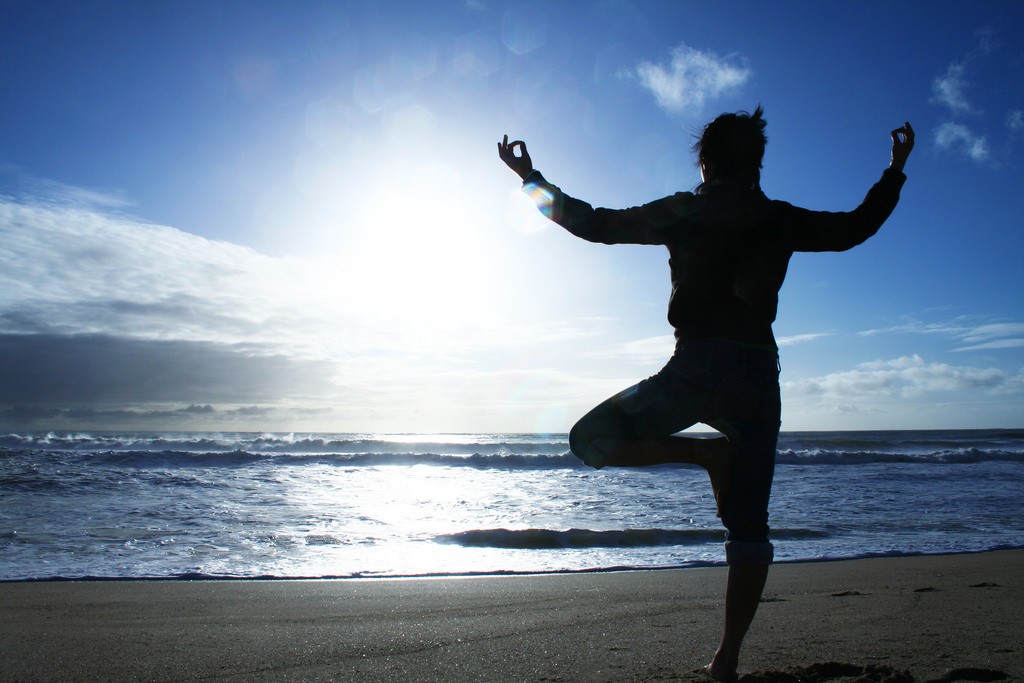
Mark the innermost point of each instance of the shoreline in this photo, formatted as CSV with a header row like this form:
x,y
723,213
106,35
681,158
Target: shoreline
x,y
924,614
480,575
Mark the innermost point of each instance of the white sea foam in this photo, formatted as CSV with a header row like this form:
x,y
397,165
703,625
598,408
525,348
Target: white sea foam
x,y
303,505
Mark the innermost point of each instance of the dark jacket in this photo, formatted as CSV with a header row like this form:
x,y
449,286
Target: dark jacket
x,y
729,247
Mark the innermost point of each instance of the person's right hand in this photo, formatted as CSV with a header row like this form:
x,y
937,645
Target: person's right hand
x,y
522,164
902,143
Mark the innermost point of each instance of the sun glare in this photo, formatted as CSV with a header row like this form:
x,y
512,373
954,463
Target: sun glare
x,y
419,254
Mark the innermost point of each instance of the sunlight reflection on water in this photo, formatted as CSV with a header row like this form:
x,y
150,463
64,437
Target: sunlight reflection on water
x,y
488,505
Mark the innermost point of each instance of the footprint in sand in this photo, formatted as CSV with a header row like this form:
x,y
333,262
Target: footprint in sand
x,y
970,674
823,672
836,672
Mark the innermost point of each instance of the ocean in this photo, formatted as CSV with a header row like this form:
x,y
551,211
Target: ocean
x,y
243,505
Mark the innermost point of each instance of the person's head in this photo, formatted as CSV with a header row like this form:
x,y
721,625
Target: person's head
x,y
731,148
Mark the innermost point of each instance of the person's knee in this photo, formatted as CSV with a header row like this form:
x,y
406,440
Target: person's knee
x,y
581,444
745,513
577,441
591,448
749,552
747,539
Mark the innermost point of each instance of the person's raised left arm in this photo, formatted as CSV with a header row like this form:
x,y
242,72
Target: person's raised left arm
x,y
838,231
902,143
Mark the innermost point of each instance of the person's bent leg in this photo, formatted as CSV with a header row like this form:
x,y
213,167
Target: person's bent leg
x,y
664,450
633,429
711,453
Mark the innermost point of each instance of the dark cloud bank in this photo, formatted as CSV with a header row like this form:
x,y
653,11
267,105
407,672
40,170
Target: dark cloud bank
x,y
102,381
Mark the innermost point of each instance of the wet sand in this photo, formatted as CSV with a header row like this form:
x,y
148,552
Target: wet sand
x,y
935,618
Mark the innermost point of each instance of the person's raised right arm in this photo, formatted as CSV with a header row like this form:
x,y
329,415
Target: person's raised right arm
x,y
522,164
638,225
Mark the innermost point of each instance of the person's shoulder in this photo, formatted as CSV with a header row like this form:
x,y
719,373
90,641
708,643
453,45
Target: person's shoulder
x,y
775,207
756,204
683,199
682,204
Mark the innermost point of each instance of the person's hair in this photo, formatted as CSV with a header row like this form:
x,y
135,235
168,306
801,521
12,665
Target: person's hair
x,y
733,145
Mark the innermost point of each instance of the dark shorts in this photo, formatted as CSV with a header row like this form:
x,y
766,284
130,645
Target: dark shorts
x,y
730,387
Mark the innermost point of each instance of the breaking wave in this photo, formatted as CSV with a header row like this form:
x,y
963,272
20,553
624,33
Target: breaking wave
x,y
539,539
504,451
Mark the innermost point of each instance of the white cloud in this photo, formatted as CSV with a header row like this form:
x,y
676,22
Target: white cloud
x,y
846,409
903,377
938,377
162,318
996,344
993,331
901,363
995,335
948,89
53,193
691,77
968,129
72,269
801,338
958,138
68,268
645,351
918,327
1015,119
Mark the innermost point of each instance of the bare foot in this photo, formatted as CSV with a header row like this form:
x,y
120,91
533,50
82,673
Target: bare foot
x,y
710,672
714,455
720,669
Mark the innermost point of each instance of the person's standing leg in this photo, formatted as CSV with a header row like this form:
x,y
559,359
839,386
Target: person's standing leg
x,y
748,551
742,597
750,400
736,391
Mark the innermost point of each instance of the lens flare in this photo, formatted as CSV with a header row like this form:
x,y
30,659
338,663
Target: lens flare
x,y
542,197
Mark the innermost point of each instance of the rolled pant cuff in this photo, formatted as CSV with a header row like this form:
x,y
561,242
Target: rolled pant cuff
x,y
745,552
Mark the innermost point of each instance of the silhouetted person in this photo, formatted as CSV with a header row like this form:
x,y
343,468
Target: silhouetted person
x,y
729,247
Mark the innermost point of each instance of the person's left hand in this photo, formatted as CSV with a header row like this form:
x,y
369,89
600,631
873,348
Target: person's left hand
x,y
902,143
522,164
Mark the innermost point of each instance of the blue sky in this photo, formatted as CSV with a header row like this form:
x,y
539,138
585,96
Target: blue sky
x,y
291,216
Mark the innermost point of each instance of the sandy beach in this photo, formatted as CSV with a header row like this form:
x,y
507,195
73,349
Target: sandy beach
x,y
928,618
